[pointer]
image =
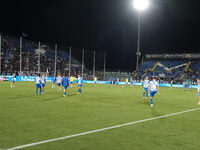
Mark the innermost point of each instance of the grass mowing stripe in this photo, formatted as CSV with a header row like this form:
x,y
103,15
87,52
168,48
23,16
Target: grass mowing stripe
x,y
99,130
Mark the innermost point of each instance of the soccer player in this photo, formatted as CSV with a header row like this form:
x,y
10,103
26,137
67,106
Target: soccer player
x,y
79,84
188,84
111,81
71,81
65,84
126,81
117,81
13,81
38,84
171,84
154,88
26,78
53,81
131,80
59,80
185,85
198,90
43,81
95,80
146,87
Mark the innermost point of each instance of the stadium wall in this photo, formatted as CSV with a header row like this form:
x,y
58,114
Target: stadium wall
x,y
49,79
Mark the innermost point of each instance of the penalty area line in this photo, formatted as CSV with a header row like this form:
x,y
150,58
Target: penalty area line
x,y
99,130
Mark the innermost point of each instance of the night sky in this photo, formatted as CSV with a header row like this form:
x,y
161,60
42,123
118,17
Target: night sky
x,y
106,25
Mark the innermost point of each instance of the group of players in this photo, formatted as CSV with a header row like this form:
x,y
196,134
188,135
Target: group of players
x,y
150,87
153,86
59,81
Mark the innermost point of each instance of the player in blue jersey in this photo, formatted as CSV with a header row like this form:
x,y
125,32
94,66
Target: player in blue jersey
x,y
171,84
59,80
43,81
111,81
146,87
13,81
53,81
117,81
80,81
154,88
198,90
38,84
65,84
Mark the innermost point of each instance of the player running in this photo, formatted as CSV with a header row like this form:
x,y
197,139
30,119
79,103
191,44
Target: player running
x,y
43,81
38,84
154,88
59,80
198,90
13,81
146,88
65,84
79,84
53,81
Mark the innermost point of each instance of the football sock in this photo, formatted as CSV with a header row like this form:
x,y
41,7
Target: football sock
x,y
151,99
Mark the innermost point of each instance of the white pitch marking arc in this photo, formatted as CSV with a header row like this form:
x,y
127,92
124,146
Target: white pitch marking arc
x,y
99,130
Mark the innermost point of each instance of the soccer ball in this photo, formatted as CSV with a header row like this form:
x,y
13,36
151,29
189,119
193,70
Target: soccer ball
x,y
198,103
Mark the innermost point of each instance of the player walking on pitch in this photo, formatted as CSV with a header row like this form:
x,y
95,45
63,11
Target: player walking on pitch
x,y
65,84
71,81
146,87
79,84
38,84
154,88
43,81
59,80
13,81
95,81
54,81
171,84
126,82
117,81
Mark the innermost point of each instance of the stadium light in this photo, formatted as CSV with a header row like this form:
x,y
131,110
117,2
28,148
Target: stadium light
x,y
140,5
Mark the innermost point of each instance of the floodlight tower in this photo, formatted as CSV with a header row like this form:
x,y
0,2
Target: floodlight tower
x,y
139,5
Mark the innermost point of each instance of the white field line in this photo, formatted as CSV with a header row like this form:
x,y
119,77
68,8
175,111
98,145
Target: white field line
x,y
99,130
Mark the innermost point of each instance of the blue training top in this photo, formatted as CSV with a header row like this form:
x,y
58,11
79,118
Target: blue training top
x,y
65,82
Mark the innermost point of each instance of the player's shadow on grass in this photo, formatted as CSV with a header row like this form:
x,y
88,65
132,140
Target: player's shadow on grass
x,y
19,97
155,113
72,94
60,97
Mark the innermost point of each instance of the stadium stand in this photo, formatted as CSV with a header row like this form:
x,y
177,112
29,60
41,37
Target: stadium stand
x,y
11,57
170,68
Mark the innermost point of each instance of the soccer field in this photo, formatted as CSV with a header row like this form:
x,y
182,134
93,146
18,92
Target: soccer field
x,y
26,118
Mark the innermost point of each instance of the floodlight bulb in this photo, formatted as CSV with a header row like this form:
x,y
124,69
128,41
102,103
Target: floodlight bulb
x,y
141,4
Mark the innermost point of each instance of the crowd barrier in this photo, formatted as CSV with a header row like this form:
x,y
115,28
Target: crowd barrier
x,y
49,79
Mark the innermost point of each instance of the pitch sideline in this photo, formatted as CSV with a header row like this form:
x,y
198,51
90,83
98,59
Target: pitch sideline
x,y
99,130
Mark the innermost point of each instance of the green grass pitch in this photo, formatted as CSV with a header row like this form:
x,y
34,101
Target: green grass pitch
x,y
26,118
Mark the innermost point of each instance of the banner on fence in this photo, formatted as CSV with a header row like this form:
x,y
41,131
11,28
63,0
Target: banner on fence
x,y
49,79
